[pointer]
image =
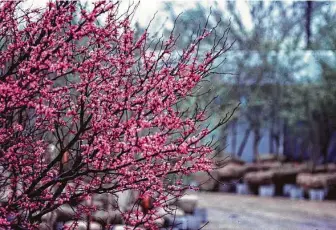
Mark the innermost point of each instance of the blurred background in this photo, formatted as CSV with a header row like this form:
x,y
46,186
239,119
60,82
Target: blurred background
x,y
279,148
281,69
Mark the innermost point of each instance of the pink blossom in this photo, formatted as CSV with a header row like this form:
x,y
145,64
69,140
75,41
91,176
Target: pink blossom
x,y
105,101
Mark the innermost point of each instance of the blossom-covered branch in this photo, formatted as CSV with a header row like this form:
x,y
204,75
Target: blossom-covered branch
x,y
87,108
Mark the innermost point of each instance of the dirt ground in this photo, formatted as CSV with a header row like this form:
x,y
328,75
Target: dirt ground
x,y
229,211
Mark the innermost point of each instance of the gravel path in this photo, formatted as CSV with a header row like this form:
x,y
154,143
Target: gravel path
x,y
228,211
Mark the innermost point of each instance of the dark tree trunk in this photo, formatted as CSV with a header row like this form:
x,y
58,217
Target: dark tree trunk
x,y
315,143
256,141
324,150
234,136
277,143
243,143
325,136
224,140
285,137
308,22
313,131
275,132
271,137
303,148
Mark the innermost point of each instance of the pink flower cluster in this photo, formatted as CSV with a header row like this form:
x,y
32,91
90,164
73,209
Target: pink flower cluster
x,y
105,101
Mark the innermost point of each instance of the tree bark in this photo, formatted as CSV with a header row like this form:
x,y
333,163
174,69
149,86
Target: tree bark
x,y
271,136
243,143
285,137
257,138
277,143
325,136
234,136
308,22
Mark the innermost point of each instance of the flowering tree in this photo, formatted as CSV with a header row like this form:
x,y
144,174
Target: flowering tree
x,y
87,108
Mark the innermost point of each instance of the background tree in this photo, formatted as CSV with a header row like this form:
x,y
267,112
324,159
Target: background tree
x,y
274,66
256,62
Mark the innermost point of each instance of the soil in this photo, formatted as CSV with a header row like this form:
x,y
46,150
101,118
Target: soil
x,y
229,211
